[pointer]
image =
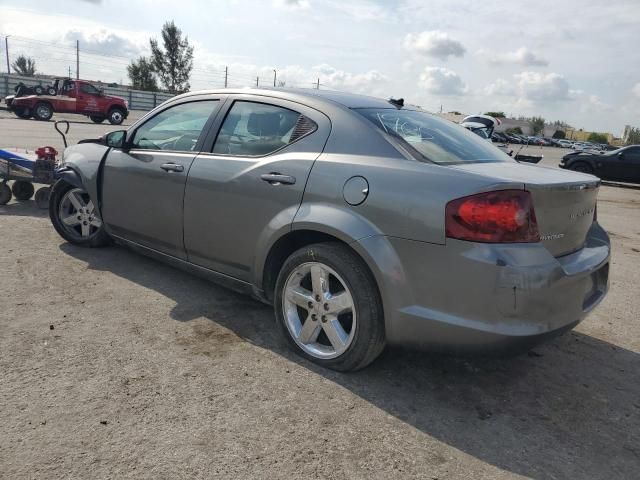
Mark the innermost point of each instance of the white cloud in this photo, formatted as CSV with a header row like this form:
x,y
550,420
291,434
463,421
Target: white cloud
x,y
636,90
435,43
521,56
441,81
540,87
292,4
500,87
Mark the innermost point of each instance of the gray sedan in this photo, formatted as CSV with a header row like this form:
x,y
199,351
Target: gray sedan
x,y
364,222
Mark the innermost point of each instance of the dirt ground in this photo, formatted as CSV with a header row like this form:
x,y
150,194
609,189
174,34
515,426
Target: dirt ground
x,y
115,366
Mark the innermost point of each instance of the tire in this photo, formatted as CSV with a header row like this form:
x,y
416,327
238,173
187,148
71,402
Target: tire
x,y
96,118
23,112
38,90
5,194
345,341
43,111
51,91
42,197
22,190
84,231
582,167
116,116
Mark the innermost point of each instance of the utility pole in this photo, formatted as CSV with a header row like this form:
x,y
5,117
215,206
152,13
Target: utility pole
x,y
318,85
274,77
77,59
69,71
257,81
6,46
226,76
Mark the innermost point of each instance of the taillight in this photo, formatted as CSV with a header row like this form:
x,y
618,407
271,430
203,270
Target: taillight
x,y
503,216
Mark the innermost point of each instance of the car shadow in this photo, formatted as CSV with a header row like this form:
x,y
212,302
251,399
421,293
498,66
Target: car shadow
x,y
23,208
568,409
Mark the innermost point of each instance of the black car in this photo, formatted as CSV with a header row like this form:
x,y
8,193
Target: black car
x,y
621,165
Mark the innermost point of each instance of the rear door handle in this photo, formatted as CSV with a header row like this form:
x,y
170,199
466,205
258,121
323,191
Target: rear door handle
x,y
278,179
172,167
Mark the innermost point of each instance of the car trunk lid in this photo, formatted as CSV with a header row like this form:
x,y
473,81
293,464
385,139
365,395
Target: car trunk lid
x,y
564,201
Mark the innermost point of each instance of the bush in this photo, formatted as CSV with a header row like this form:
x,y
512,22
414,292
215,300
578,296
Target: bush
x,y
559,134
496,114
595,137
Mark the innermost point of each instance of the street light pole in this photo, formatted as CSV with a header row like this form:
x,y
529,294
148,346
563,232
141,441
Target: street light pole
x,y
6,46
274,77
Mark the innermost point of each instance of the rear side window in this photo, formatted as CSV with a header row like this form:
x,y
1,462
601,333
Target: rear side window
x,y
177,128
255,129
432,138
90,89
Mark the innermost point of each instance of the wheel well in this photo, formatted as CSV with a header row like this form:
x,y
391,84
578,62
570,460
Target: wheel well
x,y
116,107
45,103
284,247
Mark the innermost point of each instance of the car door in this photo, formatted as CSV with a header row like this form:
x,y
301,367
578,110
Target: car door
x,y
87,99
250,181
143,184
621,167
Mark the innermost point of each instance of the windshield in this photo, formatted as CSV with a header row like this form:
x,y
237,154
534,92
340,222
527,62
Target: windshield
x,y
433,139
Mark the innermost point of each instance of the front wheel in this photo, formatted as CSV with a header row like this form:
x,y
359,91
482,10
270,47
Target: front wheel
x,y
43,111
328,307
582,167
23,112
116,116
96,118
75,217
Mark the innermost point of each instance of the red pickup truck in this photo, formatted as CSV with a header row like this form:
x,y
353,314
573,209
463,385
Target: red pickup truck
x,y
72,96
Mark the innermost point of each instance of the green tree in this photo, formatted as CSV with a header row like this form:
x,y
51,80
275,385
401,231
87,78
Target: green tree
x,y
559,134
496,114
517,130
633,136
595,137
25,66
173,61
537,125
142,75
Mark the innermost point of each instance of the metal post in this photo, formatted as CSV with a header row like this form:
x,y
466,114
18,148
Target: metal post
x,y
318,85
6,46
257,81
274,77
226,76
155,100
77,59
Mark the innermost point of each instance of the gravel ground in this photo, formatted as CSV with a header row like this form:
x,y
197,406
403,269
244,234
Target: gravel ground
x,y
116,366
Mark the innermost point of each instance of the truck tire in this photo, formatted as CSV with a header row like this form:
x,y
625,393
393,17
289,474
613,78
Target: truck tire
x,y
23,112
43,111
38,90
51,91
5,194
116,116
22,190
96,118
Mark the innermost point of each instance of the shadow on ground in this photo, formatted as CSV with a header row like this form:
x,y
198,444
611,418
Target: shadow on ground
x,y
569,409
25,208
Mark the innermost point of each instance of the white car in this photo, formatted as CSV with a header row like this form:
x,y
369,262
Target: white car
x,y
565,143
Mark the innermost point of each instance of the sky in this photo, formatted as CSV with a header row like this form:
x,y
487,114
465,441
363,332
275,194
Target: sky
x,y
576,61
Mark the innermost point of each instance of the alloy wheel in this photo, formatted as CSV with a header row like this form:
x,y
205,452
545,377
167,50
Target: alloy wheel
x,y
319,310
77,214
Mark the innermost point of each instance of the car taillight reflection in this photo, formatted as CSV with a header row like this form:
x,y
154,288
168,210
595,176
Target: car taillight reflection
x,y
504,216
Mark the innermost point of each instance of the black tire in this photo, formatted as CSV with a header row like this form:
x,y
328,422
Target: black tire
x,y
51,91
42,197
22,190
99,238
5,194
38,90
43,111
23,112
116,116
369,339
582,167
96,118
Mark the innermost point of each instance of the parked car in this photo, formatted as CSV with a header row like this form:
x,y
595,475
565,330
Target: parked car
x,y
71,96
621,165
565,143
513,138
363,221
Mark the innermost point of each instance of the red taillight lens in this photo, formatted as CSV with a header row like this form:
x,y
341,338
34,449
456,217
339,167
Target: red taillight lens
x,y
503,216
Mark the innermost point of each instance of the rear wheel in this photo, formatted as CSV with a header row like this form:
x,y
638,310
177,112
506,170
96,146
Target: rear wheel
x,y
5,194
582,167
23,112
96,118
116,116
328,307
22,190
74,216
43,111
38,90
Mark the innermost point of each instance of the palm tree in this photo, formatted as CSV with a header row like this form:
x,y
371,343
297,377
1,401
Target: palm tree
x,y
25,66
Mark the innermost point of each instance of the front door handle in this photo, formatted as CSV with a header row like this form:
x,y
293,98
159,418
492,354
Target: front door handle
x,y
172,167
278,179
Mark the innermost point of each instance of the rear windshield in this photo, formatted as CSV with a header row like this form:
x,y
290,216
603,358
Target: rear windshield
x,y
433,139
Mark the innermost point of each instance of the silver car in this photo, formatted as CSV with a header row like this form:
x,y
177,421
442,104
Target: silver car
x,y
364,222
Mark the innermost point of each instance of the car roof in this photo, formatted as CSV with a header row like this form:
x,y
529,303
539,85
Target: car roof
x,y
306,95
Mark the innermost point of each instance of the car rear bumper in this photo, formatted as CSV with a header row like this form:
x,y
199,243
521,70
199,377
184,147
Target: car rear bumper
x,y
466,296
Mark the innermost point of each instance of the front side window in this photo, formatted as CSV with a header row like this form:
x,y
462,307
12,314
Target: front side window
x,y
89,89
432,138
254,129
177,128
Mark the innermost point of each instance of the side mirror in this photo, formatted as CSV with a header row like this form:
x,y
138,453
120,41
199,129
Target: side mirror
x,y
117,139
621,156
